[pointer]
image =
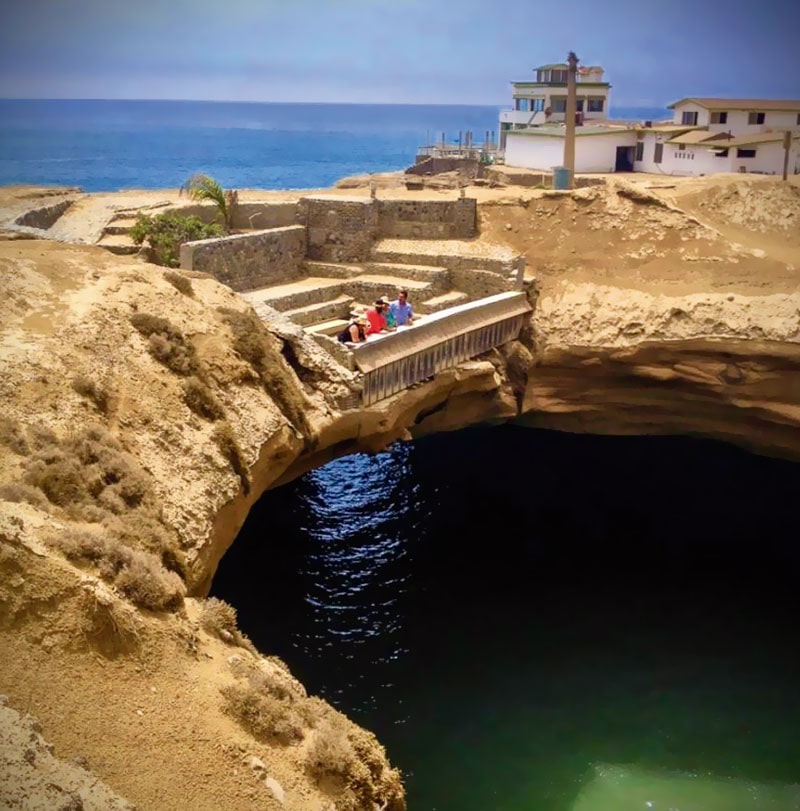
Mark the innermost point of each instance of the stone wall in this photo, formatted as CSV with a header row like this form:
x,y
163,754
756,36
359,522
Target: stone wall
x,y
263,215
249,261
478,283
45,216
340,229
428,219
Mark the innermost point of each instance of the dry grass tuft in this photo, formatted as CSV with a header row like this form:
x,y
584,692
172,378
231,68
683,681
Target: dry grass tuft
x,y
219,618
331,754
90,467
255,345
18,493
229,447
13,436
87,388
200,399
270,714
179,282
95,480
137,574
112,629
60,479
354,759
166,343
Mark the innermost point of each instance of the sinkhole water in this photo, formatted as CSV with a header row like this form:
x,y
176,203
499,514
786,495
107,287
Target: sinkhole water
x,y
544,621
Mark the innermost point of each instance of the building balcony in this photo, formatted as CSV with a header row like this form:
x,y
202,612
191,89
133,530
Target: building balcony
x,y
524,117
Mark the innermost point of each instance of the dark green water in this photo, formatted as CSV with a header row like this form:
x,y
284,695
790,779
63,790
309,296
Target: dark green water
x,y
541,621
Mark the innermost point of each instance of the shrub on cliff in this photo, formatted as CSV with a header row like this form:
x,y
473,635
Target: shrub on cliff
x,y
139,575
165,233
166,343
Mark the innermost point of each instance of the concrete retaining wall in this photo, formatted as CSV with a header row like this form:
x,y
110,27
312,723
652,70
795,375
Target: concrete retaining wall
x,y
249,261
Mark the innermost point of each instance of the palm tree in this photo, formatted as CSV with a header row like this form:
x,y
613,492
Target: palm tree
x,y
203,187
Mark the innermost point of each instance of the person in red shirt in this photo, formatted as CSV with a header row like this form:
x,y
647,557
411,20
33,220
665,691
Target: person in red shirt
x,y
376,318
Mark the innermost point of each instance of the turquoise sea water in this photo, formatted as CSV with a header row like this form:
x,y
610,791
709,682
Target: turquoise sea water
x,y
110,145
535,621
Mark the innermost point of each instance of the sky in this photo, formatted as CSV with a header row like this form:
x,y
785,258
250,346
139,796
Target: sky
x,y
394,51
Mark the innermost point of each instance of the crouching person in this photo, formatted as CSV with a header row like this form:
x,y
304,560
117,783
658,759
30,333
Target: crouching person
x,y
354,333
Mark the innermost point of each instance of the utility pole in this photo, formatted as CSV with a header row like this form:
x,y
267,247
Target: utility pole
x,y
569,135
787,145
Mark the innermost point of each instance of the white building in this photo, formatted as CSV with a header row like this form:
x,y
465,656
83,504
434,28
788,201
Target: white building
x,y
706,135
722,135
545,100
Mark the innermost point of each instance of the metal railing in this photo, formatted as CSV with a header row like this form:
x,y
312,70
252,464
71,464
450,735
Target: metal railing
x,y
442,341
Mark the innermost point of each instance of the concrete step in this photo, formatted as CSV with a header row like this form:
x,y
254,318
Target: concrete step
x,y
331,327
369,286
121,226
321,311
451,253
334,270
442,302
119,243
439,277
422,273
294,295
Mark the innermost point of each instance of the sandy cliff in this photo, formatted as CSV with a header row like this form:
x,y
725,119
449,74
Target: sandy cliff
x,y
143,418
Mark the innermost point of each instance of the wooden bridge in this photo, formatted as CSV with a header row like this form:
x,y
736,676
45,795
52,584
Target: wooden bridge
x,y
393,362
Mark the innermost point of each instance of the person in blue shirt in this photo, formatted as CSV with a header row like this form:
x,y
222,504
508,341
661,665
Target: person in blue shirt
x,y
401,310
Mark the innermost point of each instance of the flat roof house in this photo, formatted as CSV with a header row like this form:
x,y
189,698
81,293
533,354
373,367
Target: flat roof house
x,y
705,136
712,135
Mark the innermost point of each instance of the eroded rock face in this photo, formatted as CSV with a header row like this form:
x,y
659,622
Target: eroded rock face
x,y
617,361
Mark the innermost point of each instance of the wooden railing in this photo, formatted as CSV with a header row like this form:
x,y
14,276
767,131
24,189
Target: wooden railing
x,y
443,340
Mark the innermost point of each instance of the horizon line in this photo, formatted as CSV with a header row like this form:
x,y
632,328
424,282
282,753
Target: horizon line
x,y
329,103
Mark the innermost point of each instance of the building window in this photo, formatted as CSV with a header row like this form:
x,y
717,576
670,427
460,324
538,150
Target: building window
x,y
537,105
745,153
798,119
755,118
595,105
690,119
719,118
558,105
658,155
721,153
558,76
579,105
639,150
682,147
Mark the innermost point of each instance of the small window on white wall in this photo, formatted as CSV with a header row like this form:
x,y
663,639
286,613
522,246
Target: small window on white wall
x,y
690,119
745,153
719,118
755,118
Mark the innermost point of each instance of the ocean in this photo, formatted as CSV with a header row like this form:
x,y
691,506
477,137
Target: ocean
x,y
110,145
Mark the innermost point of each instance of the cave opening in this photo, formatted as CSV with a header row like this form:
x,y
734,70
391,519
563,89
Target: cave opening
x,y
532,619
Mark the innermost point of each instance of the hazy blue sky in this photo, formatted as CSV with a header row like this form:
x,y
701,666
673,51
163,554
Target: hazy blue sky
x,y
451,51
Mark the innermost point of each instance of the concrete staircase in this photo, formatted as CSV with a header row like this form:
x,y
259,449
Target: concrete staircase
x,y
116,237
322,301
438,274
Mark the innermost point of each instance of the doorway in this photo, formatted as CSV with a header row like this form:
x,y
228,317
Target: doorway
x,y
624,162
